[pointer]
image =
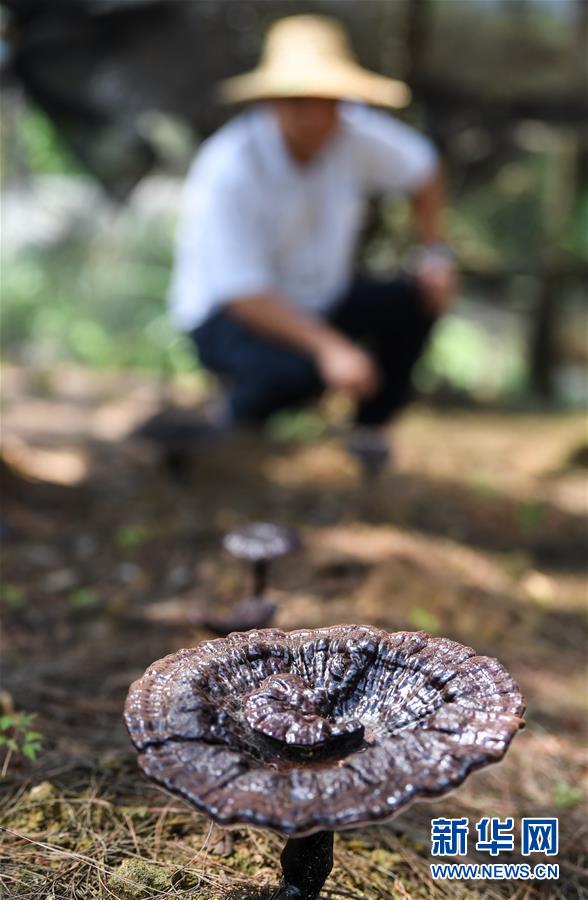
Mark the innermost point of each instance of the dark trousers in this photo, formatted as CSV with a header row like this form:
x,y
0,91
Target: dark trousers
x,y
388,318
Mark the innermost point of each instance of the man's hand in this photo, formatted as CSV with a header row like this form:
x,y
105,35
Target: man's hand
x,y
438,284
342,364
346,367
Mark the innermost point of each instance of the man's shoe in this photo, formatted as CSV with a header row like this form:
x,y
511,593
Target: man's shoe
x,y
179,434
370,446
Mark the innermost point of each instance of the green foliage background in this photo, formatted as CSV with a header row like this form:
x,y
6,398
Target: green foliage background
x,y
95,294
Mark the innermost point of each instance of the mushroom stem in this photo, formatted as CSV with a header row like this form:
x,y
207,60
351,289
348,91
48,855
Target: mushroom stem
x,y
306,864
260,573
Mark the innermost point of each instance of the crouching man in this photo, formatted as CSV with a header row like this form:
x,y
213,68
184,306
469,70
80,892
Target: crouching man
x,y
275,201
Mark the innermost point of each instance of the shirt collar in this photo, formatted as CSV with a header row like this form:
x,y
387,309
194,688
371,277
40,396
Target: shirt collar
x,y
272,149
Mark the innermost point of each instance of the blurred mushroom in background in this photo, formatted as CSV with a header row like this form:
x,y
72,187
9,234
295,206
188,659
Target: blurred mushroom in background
x,y
259,543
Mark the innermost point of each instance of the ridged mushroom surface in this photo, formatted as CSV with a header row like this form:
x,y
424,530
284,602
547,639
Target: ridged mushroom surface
x,y
319,729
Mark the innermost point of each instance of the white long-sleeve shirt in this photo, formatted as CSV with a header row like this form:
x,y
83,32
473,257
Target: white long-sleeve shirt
x,y
255,221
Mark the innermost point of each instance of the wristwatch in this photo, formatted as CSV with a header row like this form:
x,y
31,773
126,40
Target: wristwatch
x,y
436,255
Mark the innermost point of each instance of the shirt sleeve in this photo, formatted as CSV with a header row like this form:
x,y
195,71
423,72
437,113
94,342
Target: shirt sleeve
x,y
229,240
394,158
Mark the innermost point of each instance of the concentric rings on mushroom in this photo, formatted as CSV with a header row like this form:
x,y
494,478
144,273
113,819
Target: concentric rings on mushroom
x,y
319,729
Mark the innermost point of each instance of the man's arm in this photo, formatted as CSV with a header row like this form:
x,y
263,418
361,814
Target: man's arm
x,y
435,270
395,159
428,204
342,364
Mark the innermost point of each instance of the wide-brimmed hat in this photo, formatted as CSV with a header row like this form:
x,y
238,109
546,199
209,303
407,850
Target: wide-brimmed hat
x,y
310,56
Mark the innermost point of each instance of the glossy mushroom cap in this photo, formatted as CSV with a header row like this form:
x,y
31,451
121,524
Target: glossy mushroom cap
x,y
261,541
287,710
319,729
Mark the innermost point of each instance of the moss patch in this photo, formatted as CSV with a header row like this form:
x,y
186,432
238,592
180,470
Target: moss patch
x,y
136,879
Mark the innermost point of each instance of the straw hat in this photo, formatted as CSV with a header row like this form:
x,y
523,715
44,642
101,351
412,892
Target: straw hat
x,y
310,56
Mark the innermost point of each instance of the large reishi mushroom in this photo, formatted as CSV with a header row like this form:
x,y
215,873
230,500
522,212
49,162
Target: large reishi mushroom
x,y
314,731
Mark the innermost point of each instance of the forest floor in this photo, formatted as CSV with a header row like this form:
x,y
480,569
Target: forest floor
x,y
479,534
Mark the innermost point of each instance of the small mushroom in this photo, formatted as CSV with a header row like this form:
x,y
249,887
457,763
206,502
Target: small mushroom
x,y
313,731
254,612
260,543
